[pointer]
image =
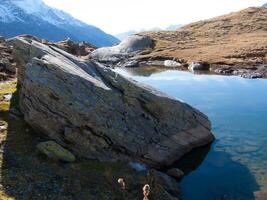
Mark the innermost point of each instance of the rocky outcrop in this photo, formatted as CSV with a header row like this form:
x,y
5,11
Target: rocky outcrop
x,y
99,114
124,50
77,49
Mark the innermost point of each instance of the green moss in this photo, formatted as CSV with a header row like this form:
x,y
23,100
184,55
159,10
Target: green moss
x,y
54,150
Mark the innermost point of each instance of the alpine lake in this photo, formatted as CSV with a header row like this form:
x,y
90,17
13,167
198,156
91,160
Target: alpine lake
x,y
234,166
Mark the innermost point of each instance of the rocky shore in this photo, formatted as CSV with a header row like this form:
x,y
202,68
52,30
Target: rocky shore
x,y
135,51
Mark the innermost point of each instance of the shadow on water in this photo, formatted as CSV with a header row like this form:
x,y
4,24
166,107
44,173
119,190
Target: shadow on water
x,y
213,175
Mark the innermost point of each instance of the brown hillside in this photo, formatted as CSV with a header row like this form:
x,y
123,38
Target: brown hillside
x,y
238,38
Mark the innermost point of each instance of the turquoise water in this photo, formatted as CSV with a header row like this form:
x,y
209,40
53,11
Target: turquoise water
x,y
235,166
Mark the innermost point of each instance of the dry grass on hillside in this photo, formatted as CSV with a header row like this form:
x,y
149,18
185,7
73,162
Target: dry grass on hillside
x,y
238,38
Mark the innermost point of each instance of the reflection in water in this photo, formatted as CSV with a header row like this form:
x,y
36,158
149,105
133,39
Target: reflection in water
x,y
236,165
143,71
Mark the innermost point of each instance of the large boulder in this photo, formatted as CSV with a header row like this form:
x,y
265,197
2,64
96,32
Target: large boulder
x,y
99,114
126,48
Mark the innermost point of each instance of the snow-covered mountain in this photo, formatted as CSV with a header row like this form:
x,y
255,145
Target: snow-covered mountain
x,y
36,18
265,5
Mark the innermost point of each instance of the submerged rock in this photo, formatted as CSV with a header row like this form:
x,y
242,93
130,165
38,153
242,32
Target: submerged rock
x,y
55,151
126,48
100,114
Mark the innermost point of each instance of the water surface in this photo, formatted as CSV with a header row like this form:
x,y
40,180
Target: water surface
x,y
236,164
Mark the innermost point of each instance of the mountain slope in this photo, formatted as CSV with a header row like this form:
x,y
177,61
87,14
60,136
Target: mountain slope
x,y
265,5
238,38
36,18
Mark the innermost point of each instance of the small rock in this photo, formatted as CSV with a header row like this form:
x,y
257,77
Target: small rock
x,y
122,51
55,151
171,63
198,66
176,173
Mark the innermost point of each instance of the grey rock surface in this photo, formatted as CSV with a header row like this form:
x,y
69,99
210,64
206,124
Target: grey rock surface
x,y
126,48
171,63
100,114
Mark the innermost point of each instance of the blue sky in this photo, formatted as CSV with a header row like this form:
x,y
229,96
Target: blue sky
x,y
116,16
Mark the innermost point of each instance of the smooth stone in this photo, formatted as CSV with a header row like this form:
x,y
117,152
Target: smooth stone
x,y
171,63
126,48
53,150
